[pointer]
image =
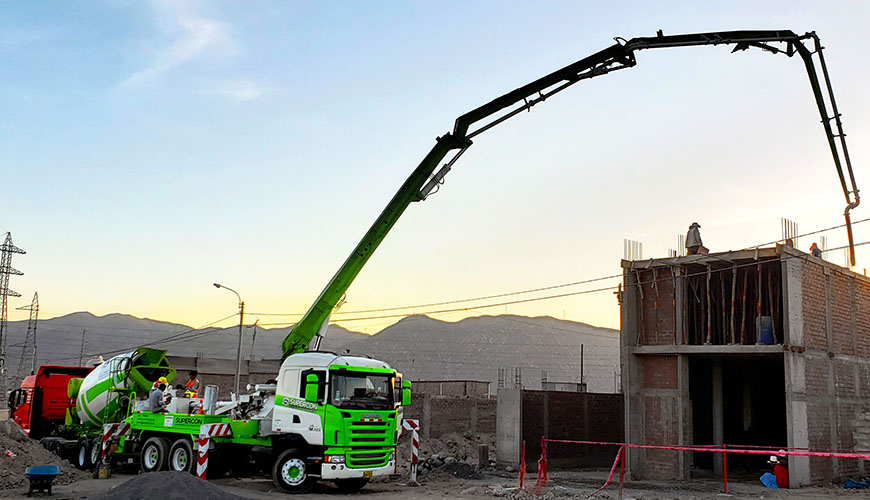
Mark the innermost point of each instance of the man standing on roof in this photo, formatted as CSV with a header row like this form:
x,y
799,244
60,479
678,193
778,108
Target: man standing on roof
x,y
192,387
693,239
815,250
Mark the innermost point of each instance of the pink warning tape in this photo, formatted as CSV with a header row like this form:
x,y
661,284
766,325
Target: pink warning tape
x,y
707,448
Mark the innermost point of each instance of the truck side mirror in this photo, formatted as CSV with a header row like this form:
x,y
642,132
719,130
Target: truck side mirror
x,y
312,383
406,393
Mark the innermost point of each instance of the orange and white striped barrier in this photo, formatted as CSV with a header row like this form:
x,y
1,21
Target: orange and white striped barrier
x,y
414,427
206,432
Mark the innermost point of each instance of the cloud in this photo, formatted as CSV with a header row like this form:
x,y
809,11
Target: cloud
x,y
240,90
197,35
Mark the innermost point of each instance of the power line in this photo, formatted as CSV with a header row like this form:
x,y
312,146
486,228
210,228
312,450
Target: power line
x,y
507,294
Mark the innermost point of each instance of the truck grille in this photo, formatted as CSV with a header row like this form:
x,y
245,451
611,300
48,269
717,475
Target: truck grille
x,y
367,458
370,433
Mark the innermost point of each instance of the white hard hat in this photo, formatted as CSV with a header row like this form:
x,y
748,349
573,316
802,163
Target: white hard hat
x,y
773,460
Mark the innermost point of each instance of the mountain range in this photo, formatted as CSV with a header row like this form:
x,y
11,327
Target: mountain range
x,y
422,348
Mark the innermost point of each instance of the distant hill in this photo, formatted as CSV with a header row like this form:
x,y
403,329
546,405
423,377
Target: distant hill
x,y
475,348
420,347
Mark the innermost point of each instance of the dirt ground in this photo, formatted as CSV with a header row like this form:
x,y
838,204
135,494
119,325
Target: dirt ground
x,y
493,484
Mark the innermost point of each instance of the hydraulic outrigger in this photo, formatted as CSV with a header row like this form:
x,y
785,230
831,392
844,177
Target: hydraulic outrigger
x,y
621,55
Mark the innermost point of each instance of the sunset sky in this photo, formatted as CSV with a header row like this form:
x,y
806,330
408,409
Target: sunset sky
x,y
150,149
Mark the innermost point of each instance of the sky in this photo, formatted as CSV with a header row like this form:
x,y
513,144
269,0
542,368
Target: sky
x,y
150,149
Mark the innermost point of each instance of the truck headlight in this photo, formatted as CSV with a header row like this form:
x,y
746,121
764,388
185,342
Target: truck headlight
x,y
334,459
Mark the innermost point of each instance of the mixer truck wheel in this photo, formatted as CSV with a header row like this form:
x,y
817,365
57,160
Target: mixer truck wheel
x,y
155,455
290,473
181,457
83,459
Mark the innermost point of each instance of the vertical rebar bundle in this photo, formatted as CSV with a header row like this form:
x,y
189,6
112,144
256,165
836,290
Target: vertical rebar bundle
x,y
6,270
28,349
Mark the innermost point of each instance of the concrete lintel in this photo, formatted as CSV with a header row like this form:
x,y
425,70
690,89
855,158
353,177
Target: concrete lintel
x,y
746,350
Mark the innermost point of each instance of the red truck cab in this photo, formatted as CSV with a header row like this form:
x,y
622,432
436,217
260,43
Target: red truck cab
x,y
39,406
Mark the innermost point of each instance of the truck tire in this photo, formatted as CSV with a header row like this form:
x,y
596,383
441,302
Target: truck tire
x,y
96,450
290,473
154,456
181,457
351,485
83,459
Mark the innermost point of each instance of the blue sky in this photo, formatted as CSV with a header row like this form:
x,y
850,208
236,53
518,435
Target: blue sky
x,y
152,148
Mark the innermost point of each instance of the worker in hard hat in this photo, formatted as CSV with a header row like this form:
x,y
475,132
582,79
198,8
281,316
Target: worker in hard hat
x,y
191,389
161,380
693,239
155,397
778,479
815,250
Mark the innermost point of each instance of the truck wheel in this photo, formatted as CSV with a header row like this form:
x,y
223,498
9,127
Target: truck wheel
x,y
181,457
83,454
290,473
351,485
154,455
96,450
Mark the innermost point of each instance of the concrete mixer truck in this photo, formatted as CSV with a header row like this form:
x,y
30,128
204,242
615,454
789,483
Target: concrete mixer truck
x,y
65,407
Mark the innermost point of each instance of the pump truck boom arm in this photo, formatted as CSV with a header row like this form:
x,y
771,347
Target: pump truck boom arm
x,y
618,56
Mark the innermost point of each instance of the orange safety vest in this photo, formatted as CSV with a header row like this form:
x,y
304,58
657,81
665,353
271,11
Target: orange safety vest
x,y
192,386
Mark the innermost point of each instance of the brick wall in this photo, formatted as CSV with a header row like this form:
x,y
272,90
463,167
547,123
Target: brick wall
x,y
440,415
579,416
813,285
836,328
659,317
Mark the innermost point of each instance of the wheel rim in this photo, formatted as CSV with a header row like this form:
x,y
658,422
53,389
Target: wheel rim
x,y
151,456
96,451
293,472
179,459
83,453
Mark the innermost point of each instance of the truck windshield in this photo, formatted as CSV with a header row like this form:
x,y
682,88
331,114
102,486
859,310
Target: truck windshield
x,y
358,390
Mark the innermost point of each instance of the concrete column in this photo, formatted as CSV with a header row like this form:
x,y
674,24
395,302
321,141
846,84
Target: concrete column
x,y
684,427
509,427
718,420
427,415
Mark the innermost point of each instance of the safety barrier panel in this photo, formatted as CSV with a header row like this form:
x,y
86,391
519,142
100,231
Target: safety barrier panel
x,y
414,427
111,431
206,432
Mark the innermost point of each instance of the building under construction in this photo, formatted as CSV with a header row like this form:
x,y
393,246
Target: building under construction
x,y
767,347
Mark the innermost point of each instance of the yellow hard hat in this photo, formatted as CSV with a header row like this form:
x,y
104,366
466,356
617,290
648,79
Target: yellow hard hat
x,y
162,380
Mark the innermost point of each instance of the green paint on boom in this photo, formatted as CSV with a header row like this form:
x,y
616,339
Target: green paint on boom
x,y
308,327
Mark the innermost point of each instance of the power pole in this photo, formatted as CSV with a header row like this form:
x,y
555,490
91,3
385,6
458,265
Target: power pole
x,y
82,352
253,340
6,270
28,350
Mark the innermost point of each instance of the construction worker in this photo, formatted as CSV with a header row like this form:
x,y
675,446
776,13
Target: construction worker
x,y
693,239
161,380
815,250
155,397
191,389
778,479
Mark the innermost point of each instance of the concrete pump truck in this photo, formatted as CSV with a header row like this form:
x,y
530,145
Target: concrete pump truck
x,y
338,417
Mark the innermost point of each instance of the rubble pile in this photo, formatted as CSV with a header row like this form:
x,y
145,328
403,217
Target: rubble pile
x,y
18,452
449,449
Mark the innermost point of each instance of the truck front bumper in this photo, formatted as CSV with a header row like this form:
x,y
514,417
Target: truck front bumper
x,y
342,471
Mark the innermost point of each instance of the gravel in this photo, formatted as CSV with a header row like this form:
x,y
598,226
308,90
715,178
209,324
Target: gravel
x,y
166,486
